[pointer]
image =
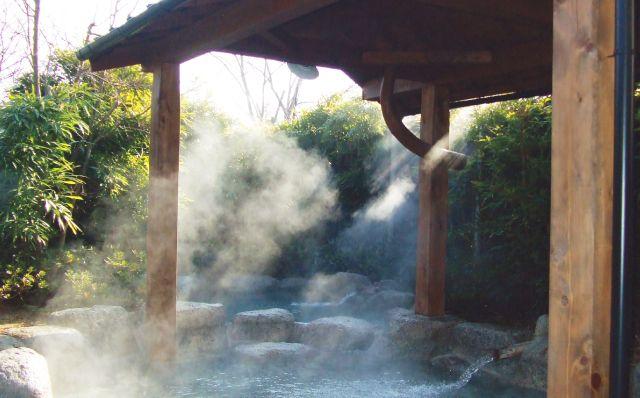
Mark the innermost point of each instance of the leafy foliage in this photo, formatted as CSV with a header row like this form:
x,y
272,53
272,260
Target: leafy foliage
x,y
36,140
500,211
347,134
68,159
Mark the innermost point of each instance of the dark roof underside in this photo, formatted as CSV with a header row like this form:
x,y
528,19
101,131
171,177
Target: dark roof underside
x,y
513,36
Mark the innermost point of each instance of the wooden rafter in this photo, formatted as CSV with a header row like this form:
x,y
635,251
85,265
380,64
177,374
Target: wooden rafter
x,y
538,11
237,21
426,57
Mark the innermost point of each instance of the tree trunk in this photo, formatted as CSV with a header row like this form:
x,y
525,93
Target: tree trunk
x,y
34,55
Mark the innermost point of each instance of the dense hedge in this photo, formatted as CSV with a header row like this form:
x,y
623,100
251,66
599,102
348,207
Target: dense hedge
x,y
500,211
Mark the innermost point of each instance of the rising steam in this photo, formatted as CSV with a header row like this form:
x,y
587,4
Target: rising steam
x,y
244,194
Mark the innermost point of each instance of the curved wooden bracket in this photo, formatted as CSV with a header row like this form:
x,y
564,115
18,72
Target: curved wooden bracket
x,y
454,160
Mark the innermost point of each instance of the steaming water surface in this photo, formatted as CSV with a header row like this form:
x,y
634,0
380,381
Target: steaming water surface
x,y
207,380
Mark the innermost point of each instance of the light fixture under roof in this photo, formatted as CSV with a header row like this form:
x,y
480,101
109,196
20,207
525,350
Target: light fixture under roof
x,y
306,72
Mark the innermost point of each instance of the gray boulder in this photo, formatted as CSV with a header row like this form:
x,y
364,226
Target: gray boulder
x,y
201,328
270,353
335,287
65,350
24,374
477,338
107,327
191,315
49,340
272,325
417,336
339,333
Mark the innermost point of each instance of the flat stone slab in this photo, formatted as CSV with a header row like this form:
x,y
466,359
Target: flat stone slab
x,y
272,325
106,326
274,353
48,339
201,329
65,349
339,333
191,315
24,374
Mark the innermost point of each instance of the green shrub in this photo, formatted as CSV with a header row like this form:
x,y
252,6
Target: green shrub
x,y
500,211
347,133
108,275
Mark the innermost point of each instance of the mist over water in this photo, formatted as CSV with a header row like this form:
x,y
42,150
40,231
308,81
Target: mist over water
x,y
244,195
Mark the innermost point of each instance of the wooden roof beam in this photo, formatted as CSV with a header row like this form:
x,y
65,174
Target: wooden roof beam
x,y
517,59
537,11
237,21
426,57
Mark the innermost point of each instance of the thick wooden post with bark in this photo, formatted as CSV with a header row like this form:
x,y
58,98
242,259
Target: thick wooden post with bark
x,y
582,198
433,189
162,229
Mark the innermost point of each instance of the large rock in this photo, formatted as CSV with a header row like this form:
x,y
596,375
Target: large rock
x,y
107,327
333,288
270,353
65,349
191,315
339,333
477,338
272,325
201,328
49,340
417,336
24,374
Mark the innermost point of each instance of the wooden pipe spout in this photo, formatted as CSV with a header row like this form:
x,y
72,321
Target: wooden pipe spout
x,y
453,160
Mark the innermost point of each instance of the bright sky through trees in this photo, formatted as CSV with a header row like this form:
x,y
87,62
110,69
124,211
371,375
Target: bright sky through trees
x,y
65,23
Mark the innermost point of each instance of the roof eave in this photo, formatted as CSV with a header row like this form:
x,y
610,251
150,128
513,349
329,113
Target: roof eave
x,y
132,26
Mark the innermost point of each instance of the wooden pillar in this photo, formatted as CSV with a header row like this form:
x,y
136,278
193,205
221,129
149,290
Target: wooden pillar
x,y
581,202
433,186
162,227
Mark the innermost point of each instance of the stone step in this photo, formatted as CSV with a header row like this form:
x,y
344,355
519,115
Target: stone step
x,y
271,325
339,333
